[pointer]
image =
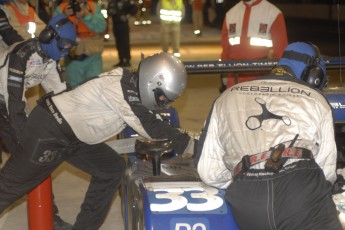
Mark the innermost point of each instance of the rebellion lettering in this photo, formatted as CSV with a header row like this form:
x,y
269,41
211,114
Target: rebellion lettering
x,y
270,89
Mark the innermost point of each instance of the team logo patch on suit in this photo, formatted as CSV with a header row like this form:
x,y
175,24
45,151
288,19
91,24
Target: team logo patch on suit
x,y
47,151
263,28
254,122
35,62
21,53
232,28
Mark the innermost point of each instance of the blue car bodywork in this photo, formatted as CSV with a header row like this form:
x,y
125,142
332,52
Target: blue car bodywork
x,y
174,200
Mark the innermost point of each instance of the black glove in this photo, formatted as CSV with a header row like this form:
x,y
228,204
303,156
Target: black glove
x,y
338,185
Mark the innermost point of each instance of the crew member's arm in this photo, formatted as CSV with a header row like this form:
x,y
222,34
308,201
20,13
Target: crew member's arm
x,y
53,82
127,104
8,34
209,155
16,92
150,126
327,156
95,22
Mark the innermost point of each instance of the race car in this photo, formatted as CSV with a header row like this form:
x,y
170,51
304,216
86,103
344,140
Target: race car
x,y
169,194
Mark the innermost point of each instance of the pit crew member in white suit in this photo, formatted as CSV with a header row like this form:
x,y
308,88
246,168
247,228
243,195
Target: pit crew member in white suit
x,y
270,143
27,64
73,126
8,36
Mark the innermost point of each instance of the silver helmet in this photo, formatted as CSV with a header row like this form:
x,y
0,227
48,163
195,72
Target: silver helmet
x,y
162,79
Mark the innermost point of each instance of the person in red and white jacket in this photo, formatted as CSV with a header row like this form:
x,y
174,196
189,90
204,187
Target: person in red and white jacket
x,y
252,29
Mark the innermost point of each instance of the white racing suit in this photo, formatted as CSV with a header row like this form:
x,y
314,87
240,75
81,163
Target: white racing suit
x,y
8,36
252,117
23,65
72,127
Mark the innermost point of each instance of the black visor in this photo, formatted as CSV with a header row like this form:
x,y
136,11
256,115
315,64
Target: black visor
x,y
65,44
161,99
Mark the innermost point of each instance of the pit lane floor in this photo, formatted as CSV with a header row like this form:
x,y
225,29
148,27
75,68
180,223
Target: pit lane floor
x,y
70,184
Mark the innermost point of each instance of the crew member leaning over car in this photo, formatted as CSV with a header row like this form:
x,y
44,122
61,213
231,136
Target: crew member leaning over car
x,y
72,126
270,143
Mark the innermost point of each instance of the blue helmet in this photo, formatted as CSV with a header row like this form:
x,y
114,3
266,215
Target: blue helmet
x,y
307,64
58,38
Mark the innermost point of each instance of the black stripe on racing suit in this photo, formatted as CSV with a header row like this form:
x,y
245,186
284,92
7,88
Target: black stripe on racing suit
x,y
18,59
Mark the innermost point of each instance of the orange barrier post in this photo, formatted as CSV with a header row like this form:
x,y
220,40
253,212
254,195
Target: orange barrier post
x,y
40,206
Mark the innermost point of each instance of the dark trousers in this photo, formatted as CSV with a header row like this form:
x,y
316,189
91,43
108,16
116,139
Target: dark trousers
x,y
43,148
8,136
7,133
121,33
298,198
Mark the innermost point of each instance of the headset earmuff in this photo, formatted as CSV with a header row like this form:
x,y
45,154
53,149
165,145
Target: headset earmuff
x,y
312,73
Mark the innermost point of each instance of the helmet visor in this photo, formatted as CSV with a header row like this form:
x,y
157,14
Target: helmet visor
x,y
65,44
161,98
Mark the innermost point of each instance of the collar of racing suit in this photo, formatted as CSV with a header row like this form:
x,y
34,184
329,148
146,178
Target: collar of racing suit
x,y
284,73
251,3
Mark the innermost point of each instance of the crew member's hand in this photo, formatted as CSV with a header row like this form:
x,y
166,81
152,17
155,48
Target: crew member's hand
x,y
192,134
84,11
